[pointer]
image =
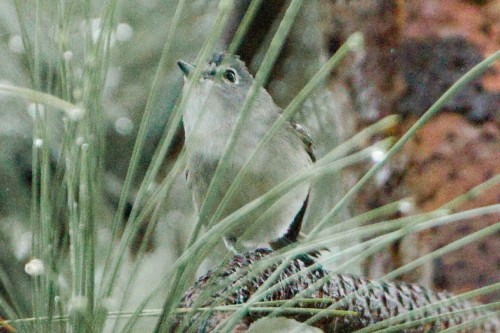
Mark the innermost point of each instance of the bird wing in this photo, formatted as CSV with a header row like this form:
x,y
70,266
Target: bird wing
x,y
306,139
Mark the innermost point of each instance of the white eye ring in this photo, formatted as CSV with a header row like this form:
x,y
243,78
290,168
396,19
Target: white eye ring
x,y
231,76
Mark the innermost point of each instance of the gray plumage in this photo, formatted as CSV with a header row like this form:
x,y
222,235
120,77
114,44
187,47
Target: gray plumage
x,y
211,114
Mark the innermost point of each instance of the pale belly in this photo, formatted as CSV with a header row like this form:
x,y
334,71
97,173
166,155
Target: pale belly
x,y
270,221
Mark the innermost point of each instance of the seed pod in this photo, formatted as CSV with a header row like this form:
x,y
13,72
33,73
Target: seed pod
x,y
372,301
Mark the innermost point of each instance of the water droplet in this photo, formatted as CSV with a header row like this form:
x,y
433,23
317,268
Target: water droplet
x,y
34,267
123,32
68,55
38,143
378,155
406,206
76,114
79,141
124,125
16,44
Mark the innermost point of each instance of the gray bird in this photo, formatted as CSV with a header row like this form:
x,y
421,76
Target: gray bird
x,y
211,113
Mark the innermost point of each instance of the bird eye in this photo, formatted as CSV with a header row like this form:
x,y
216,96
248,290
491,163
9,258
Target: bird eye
x,y
230,75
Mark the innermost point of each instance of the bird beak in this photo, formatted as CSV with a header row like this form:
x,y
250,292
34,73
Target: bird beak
x,y
185,67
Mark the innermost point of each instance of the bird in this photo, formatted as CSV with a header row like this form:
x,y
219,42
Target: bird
x,y
210,115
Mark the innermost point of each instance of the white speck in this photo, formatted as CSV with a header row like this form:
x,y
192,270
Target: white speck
x,y
152,187
79,141
23,246
382,176
113,77
68,55
33,108
124,126
406,206
123,32
95,31
34,267
38,143
95,28
378,155
62,282
356,41
16,44
76,114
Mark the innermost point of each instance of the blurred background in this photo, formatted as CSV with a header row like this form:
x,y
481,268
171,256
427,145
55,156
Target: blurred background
x,y
414,50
